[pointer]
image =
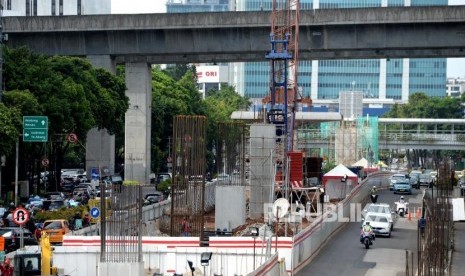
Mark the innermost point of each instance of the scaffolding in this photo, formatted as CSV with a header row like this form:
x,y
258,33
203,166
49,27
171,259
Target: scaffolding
x,y
348,142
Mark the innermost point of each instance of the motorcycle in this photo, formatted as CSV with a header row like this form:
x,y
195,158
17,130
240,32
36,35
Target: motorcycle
x,y
401,208
366,239
374,198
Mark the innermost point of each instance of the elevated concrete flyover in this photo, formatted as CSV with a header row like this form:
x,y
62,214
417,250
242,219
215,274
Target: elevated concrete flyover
x,y
394,32
139,40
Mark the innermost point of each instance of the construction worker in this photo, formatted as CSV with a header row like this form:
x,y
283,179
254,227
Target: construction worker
x,y
6,268
185,228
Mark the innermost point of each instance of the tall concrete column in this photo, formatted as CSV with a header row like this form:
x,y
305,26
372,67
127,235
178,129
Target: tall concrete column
x,y
138,122
100,146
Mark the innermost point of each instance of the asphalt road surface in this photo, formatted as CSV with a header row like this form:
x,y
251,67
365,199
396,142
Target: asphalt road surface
x,y
345,255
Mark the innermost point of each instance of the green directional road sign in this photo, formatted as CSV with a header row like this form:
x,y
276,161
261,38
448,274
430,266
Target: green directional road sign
x,y
35,128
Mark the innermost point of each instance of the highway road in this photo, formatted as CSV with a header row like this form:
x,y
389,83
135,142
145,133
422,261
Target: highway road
x,y
345,255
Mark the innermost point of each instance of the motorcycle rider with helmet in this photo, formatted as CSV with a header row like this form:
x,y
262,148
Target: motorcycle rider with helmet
x,y
402,200
367,230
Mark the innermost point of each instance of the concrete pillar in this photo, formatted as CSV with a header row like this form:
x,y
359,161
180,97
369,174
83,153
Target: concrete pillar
x,y
100,146
138,122
314,86
262,171
382,79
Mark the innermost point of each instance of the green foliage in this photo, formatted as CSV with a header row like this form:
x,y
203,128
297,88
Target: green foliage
x,y
9,128
73,95
328,166
63,213
131,182
422,106
164,185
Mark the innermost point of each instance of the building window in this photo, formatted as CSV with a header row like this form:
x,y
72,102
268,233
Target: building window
x,y
34,8
61,7
78,7
28,7
53,7
8,5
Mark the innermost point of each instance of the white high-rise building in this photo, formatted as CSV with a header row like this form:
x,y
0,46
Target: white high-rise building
x,y
55,7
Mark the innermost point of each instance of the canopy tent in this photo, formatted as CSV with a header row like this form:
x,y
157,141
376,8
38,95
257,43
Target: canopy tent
x,y
361,163
365,165
339,182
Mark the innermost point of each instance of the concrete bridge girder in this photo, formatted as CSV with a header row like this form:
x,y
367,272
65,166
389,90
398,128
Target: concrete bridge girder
x,y
394,32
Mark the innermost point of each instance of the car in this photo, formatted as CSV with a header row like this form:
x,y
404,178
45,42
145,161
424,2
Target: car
x,y
380,223
426,179
116,179
163,177
12,236
53,205
56,229
34,202
153,198
394,178
87,186
415,180
402,187
381,208
54,196
67,184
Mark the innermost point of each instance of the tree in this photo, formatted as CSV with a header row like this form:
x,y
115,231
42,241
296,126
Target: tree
x,y
422,106
9,129
170,98
70,92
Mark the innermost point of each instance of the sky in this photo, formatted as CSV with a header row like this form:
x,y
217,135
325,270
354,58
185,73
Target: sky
x,y
455,66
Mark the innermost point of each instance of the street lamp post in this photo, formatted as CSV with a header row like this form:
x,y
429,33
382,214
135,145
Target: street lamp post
x,y
205,258
254,232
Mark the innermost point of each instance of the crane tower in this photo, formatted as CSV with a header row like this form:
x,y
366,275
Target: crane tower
x,y
284,95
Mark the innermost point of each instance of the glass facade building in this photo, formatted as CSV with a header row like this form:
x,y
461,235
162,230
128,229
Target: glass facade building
x,y
383,81
55,7
180,6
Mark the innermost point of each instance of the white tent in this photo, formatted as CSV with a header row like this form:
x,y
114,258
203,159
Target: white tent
x,y
339,181
361,163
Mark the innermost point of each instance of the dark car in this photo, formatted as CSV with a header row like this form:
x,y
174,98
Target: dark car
x,y
153,198
54,196
53,205
12,238
116,179
67,184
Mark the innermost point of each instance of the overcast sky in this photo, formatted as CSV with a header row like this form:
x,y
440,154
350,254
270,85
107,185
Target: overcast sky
x,y
455,66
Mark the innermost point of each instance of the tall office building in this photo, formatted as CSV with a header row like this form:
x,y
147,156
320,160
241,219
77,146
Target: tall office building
x,y
55,7
382,81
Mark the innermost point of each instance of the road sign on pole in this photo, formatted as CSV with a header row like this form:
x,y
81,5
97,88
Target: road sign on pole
x,y
35,128
20,216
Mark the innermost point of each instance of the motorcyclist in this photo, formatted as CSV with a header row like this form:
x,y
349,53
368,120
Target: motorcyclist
x,y
374,196
401,200
367,230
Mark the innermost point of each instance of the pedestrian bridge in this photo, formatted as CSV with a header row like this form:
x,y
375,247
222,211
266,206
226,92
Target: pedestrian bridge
x,y
397,133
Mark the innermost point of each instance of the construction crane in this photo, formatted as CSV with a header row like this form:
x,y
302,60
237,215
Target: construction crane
x,y
284,97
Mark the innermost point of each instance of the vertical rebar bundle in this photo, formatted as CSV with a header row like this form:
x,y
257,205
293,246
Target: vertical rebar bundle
x,y
121,237
230,155
188,187
434,239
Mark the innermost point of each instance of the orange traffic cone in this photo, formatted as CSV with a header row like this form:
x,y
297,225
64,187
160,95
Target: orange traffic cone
x,y
418,213
409,216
